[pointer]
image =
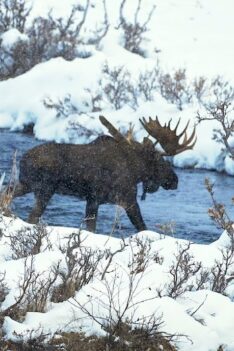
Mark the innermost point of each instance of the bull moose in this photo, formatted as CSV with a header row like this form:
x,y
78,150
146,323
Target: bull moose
x,y
106,170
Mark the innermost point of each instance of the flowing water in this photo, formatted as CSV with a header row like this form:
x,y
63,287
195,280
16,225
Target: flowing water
x,y
182,211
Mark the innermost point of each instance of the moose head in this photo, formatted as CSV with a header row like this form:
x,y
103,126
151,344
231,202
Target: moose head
x,y
159,171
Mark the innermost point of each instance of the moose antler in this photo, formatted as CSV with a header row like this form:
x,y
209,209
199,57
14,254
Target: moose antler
x,y
168,138
130,133
116,133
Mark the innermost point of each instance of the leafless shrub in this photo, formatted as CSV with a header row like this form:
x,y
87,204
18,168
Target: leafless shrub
x,y
16,309
68,37
35,340
142,257
39,290
181,271
220,108
29,241
95,99
118,88
14,14
219,214
138,340
222,272
175,88
63,107
14,60
42,44
47,37
67,34
34,291
2,231
133,33
7,192
3,287
202,279
124,330
116,309
157,258
148,83
75,128
186,274
81,267
109,256
200,87
99,32
168,228
52,37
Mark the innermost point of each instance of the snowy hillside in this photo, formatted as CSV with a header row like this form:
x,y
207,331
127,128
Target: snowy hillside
x,y
195,36
55,280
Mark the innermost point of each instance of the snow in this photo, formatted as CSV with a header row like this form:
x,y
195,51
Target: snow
x,y
196,315
196,35
11,37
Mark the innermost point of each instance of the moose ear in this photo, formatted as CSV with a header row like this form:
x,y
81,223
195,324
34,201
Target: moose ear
x,y
147,143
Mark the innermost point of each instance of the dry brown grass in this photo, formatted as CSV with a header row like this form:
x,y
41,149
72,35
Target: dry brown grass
x,y
80,342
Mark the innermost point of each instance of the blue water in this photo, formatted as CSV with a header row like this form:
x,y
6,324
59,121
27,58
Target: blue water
x,y
185,207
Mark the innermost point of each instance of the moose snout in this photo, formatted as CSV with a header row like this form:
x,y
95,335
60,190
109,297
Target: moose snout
x,y
171,184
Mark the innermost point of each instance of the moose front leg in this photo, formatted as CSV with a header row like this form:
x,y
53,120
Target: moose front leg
x,y
91,215
40,206
134,214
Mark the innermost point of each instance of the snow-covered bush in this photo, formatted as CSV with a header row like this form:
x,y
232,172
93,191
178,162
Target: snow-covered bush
x,y
14,14
148,83
53,37
199,88
81,265
14,61
133,33
28,241
33,291
65,108
175,88
219,107
123,289
44,37
117,87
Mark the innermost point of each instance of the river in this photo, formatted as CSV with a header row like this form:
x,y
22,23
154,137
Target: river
x,y
183,211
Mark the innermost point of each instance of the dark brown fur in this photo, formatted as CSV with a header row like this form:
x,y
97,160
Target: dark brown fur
x,y
104,171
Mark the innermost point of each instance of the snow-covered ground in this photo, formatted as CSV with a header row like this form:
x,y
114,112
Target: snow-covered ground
x,y
195,35
203,318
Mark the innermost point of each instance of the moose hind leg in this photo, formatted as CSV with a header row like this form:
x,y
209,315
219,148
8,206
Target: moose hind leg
x,y
39,206
21,189
134,214
91,215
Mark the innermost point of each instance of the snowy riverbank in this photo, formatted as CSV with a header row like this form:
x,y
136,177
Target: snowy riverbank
x,y
144,266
